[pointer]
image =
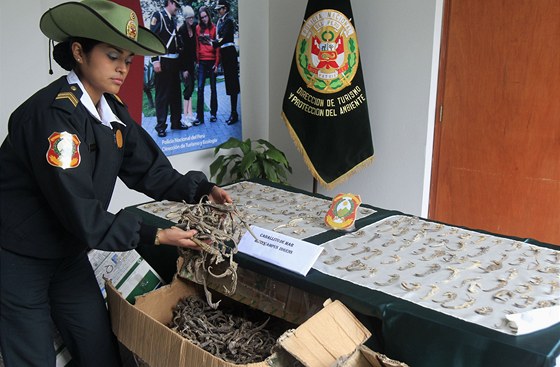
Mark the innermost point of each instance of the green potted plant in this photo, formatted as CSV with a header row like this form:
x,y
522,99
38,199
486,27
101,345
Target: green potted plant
x,y
249,159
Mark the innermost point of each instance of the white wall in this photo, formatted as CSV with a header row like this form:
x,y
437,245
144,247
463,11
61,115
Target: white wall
x,y
399,60
396,40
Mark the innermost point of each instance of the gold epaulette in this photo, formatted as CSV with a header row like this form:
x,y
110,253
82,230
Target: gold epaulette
x,y
68,99
69,96
118,99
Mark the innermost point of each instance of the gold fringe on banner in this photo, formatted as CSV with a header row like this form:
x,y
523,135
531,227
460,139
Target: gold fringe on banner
x,y
327,185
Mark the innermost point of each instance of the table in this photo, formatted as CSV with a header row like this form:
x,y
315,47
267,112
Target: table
x,y
402,330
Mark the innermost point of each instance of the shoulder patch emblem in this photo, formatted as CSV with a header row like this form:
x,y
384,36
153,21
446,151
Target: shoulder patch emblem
x,y
64,150
154,21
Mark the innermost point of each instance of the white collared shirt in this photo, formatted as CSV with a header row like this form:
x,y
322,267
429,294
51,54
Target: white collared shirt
x,y
103,114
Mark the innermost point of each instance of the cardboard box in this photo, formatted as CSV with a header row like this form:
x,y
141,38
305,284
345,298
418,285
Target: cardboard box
x,y
130,273
332,334
365,357
260,292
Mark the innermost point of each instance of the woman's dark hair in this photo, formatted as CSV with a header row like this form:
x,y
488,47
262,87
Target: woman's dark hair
x,y
62,52
201,23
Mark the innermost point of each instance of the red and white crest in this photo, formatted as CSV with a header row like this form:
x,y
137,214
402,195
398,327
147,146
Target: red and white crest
x,y
327,52
64,150
327,55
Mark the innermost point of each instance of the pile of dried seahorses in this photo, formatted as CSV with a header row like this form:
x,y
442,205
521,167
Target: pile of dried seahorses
x,y
219,232
227,336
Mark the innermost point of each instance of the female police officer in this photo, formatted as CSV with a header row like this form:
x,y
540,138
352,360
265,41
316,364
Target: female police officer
x,y
65,148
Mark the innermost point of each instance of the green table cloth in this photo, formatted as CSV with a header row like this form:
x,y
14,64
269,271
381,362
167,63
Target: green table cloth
x,y
402,330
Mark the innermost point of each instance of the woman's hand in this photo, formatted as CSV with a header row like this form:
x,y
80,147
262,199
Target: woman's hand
x,y
219,196
178,237
175,236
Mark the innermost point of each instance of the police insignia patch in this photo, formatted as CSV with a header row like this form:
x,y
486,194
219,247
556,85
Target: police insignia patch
x,y
342,212
131,27
63,150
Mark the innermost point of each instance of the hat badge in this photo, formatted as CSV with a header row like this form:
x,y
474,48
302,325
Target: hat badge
x,y
131,28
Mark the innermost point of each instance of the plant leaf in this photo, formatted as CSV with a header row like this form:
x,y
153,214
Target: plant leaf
x,y
247,161
229,144
277,156
220,177
216,165
261,160
245,146
266,143
270,171
282,176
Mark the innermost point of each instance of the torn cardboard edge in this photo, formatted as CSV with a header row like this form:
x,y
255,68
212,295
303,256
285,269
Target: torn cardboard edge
x,y
330,334
333,336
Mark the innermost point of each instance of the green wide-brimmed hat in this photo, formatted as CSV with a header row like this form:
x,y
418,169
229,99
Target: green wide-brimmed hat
x,y
101,20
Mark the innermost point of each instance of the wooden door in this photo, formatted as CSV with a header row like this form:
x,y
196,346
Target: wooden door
x,y
497,144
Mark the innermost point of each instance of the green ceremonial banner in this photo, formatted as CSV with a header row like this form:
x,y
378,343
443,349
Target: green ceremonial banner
x,y
325,105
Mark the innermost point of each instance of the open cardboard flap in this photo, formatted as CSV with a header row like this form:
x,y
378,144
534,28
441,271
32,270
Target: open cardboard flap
x,y
332,334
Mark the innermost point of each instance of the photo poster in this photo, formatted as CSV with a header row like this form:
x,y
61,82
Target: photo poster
x,y
205,135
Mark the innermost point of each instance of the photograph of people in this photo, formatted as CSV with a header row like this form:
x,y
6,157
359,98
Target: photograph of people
x,y
167,68
228,54
187,55
208,58
209,86
66,146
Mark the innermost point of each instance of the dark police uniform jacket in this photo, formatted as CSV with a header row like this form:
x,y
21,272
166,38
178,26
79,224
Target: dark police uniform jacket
x,y
164,27
47,211
226,29
228,53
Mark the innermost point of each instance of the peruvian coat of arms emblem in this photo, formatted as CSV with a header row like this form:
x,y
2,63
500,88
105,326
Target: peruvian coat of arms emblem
x,y
327,51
